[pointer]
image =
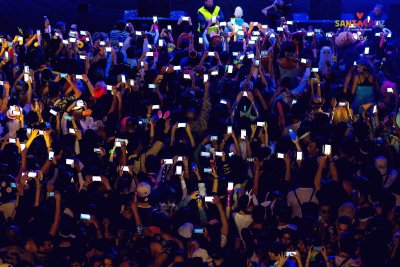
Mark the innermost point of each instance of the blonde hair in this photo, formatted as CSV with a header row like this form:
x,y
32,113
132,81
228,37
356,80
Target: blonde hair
x,y
238,12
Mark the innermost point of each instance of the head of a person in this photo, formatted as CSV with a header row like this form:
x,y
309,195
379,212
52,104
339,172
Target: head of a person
x,y
209,3
378,9
238,12
325,210
381,165
275,249
343,224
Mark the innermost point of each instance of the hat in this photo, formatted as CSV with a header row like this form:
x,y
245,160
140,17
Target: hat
x,y
143,191
186,230
347,209
100,89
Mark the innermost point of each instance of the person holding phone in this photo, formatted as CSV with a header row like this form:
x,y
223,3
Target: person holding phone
x,y
209,13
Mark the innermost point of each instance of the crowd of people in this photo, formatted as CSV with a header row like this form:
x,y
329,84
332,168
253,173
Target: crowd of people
x,y
223,143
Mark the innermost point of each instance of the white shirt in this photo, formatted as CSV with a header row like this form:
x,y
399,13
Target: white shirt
x,y
242,221
304,195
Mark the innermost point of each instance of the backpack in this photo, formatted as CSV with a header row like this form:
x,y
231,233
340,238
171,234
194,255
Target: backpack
x,y
309,208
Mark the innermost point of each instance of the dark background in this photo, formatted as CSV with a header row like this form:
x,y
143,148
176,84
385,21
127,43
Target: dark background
x,y
101,14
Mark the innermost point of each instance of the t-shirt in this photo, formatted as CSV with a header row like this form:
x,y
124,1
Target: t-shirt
x,y
242,222
304,195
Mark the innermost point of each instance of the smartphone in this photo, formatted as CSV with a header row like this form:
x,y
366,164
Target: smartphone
x,y
71,131
26,69
260,124
117,144
200,40
389,90
250,55
155,19
327,149
123,78
205,78
279,29
230,69
168,161
41,132
181,125
153,107
32,174
85,216
342,104
152,86
177,68
102,43
230,186
6,54
207,170
303,60
299,155
22,145
78,77
211,54
12,140
51,155
242,134
223,101
198,230
149,54
329,35
178,170
257,63
235,54
96,178
229,130
160,43
280,155
290,253
26,77
314,70
125,168
132,82
294,101
366,50
169,27
13,185
69,161
186,76
310,34
63,75
214,138
289,22
208,199
214,73
218,154
80,103
38,32
51,194
194,166
180,158
250,159
375,110
185,18
137,33
72,40
65,41
205,154
214,19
